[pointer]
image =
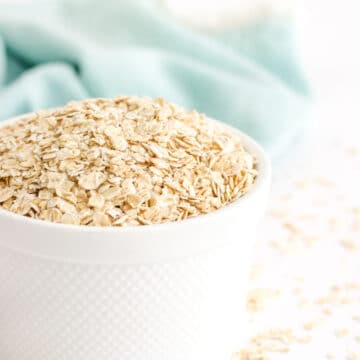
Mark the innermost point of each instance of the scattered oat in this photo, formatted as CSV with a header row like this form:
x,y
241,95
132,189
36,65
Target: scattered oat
x,y
250,354
121,161
356,224
340,333
279,214
323,181
291,228
310,325
270,341
307,217
297,291
352,151
327,311
333,223
257,298
344,294
352,356
349,244
301,184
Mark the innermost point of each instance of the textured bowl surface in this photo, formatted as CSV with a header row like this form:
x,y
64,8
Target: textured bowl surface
x,y
169,291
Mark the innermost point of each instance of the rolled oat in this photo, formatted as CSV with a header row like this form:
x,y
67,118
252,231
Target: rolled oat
x,y
121,161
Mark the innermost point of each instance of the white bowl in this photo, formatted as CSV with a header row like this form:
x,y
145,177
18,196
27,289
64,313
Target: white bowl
x,y
173,291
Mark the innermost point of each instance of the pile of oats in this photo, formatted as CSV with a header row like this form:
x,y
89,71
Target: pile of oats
x,y
276,340
121,161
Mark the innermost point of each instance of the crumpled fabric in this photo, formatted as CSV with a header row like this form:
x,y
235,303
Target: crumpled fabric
x,y
52,52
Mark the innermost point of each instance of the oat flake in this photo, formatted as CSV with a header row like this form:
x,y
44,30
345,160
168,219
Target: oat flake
x,y
121,161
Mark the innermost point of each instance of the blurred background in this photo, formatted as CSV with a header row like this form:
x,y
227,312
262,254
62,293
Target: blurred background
x,y
326,32
285,71
308,50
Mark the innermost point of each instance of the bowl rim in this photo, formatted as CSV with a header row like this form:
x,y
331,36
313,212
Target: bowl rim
x,y
261,181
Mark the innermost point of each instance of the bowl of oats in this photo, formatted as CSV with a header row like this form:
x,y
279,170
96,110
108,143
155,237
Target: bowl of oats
x,y
126,231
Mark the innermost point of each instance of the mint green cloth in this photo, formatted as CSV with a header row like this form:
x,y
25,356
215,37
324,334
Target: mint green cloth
x,y
55,51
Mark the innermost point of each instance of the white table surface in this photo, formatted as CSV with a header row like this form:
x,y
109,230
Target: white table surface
x,y
309,241
307,255
308,247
